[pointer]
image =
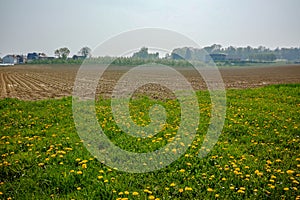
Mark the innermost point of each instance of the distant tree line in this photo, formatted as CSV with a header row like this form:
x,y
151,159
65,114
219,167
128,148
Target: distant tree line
x,y
178,57
243,53
63,53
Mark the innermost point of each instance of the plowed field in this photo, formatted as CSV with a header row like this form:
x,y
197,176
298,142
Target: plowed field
x,y
33,82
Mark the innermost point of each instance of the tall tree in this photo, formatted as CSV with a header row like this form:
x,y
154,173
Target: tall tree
x,y
62,52
57,53
85,51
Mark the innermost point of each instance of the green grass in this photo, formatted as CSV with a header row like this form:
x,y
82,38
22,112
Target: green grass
x,y
257,155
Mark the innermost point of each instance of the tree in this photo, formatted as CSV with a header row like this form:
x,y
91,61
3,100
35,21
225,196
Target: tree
x,y
85,51
215,48
62,52
143,54
57,53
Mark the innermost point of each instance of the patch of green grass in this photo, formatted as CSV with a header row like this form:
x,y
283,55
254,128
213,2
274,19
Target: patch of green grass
x,y
257,155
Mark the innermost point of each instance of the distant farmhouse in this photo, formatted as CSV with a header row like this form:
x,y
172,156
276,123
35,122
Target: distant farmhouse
x,y
221,57
38,56
32,56
215,57
75,57
13,59
233,58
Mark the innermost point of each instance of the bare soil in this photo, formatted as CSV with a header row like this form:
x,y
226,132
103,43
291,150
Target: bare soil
x,y
35,82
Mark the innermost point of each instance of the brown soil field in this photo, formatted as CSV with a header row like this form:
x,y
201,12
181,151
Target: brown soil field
x,y
34,82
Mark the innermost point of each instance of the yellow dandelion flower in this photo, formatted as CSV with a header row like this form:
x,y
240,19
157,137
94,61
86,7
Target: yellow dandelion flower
x,y
72,171
151,197
258,173
180,190
290,171
241,191
296,182
41,164
126,192
1,193
147,191
210,190
105,181
79,172
84,166
100,177
166,188
172,184
188,189
217,195
121,193
135,193
255,190
224,179
78,188
231,187
286,189
182,170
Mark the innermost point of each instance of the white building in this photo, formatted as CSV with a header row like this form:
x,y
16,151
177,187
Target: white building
x,y
13,59
9,59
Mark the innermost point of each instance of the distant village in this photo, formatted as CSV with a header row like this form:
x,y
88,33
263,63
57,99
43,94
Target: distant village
x,y
61,53
13,59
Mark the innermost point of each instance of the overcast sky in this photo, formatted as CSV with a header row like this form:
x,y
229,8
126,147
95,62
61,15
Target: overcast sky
x,y
43,26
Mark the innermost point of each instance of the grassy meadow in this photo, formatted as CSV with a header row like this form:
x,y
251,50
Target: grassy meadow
x,y
256,157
